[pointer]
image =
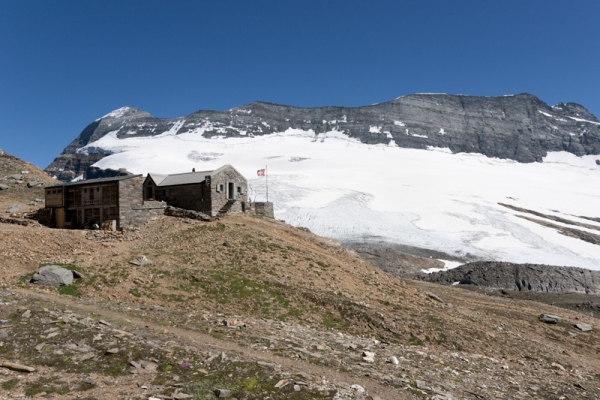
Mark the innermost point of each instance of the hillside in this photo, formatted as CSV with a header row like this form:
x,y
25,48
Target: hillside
x,y
283,305
22,183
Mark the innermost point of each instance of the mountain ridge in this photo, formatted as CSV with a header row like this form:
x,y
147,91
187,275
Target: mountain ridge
x,y
519,127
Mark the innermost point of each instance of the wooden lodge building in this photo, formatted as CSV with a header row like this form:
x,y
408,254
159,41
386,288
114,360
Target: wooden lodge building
x,y
115,201
129,201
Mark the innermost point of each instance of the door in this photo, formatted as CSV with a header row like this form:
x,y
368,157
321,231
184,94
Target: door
x,y
231,190
60,218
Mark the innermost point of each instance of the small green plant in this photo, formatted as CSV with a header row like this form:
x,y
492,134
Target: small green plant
x,y
135,292
9,384
415,341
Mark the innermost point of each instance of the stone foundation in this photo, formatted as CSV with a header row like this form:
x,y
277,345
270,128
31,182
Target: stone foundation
x,y
138,214
261,208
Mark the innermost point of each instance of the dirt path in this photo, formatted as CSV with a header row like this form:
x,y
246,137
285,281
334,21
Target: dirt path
x,y
201,339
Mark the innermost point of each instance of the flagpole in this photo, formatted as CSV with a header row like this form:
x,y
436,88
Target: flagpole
x,y
267,182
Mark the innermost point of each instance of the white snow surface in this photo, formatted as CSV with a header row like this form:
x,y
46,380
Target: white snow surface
x,y
584,120
118,113
431,198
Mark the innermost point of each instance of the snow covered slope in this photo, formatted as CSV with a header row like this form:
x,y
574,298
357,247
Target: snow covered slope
x,y
340,187
520,127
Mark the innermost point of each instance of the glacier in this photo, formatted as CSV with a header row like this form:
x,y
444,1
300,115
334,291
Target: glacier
x,y
341,188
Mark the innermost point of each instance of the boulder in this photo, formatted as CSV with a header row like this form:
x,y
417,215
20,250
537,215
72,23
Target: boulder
x,y
140,261
53,275
3,186
34,184
16,177
583,327
433,296
14,208
222,393
368,356
549,319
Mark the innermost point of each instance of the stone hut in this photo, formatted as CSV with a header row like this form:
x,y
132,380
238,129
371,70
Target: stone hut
x,y
221,191
110,203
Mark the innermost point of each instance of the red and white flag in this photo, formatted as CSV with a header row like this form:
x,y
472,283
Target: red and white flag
x,y
260,172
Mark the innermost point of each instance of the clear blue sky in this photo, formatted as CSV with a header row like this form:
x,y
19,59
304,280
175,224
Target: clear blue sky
x,y
65,63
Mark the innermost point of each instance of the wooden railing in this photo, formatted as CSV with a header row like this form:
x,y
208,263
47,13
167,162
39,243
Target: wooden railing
x,y
93,202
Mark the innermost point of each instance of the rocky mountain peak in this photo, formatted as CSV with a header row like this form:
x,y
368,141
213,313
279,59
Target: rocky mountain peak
x,y
576,111
520,127
126,113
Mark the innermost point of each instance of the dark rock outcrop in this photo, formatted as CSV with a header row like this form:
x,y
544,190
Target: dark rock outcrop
x,y
520,277
520,127
95,172
189,214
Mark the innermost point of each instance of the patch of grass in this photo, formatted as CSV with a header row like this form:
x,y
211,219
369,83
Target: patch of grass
x,y
46,385
9,384
70,290
329,321
292,313
70,267
218,335
135,292
116,368
415,341
174,297
246,381
25,279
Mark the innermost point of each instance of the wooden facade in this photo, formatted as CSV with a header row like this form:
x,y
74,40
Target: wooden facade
x,y
113,202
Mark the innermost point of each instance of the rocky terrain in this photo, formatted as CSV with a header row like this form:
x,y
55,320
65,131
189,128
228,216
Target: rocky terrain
x,y
305,312
21,185
251,308
521,277
567,287
399,260
520,127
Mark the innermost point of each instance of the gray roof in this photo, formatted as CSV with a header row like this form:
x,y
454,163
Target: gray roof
x,y
179,179
94,181
185,178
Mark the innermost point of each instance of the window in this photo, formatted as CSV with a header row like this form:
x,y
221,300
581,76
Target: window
x,y
239,190
220,187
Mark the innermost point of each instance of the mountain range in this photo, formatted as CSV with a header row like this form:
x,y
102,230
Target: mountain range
x,y
506,178
519,127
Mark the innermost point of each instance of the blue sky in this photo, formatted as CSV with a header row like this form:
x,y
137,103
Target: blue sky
x,y
65,63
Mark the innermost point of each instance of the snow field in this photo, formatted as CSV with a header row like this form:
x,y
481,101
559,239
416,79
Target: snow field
x,y
341,188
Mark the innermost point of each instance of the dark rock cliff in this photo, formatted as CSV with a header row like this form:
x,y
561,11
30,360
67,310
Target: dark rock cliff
x,y
520,277
520,127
